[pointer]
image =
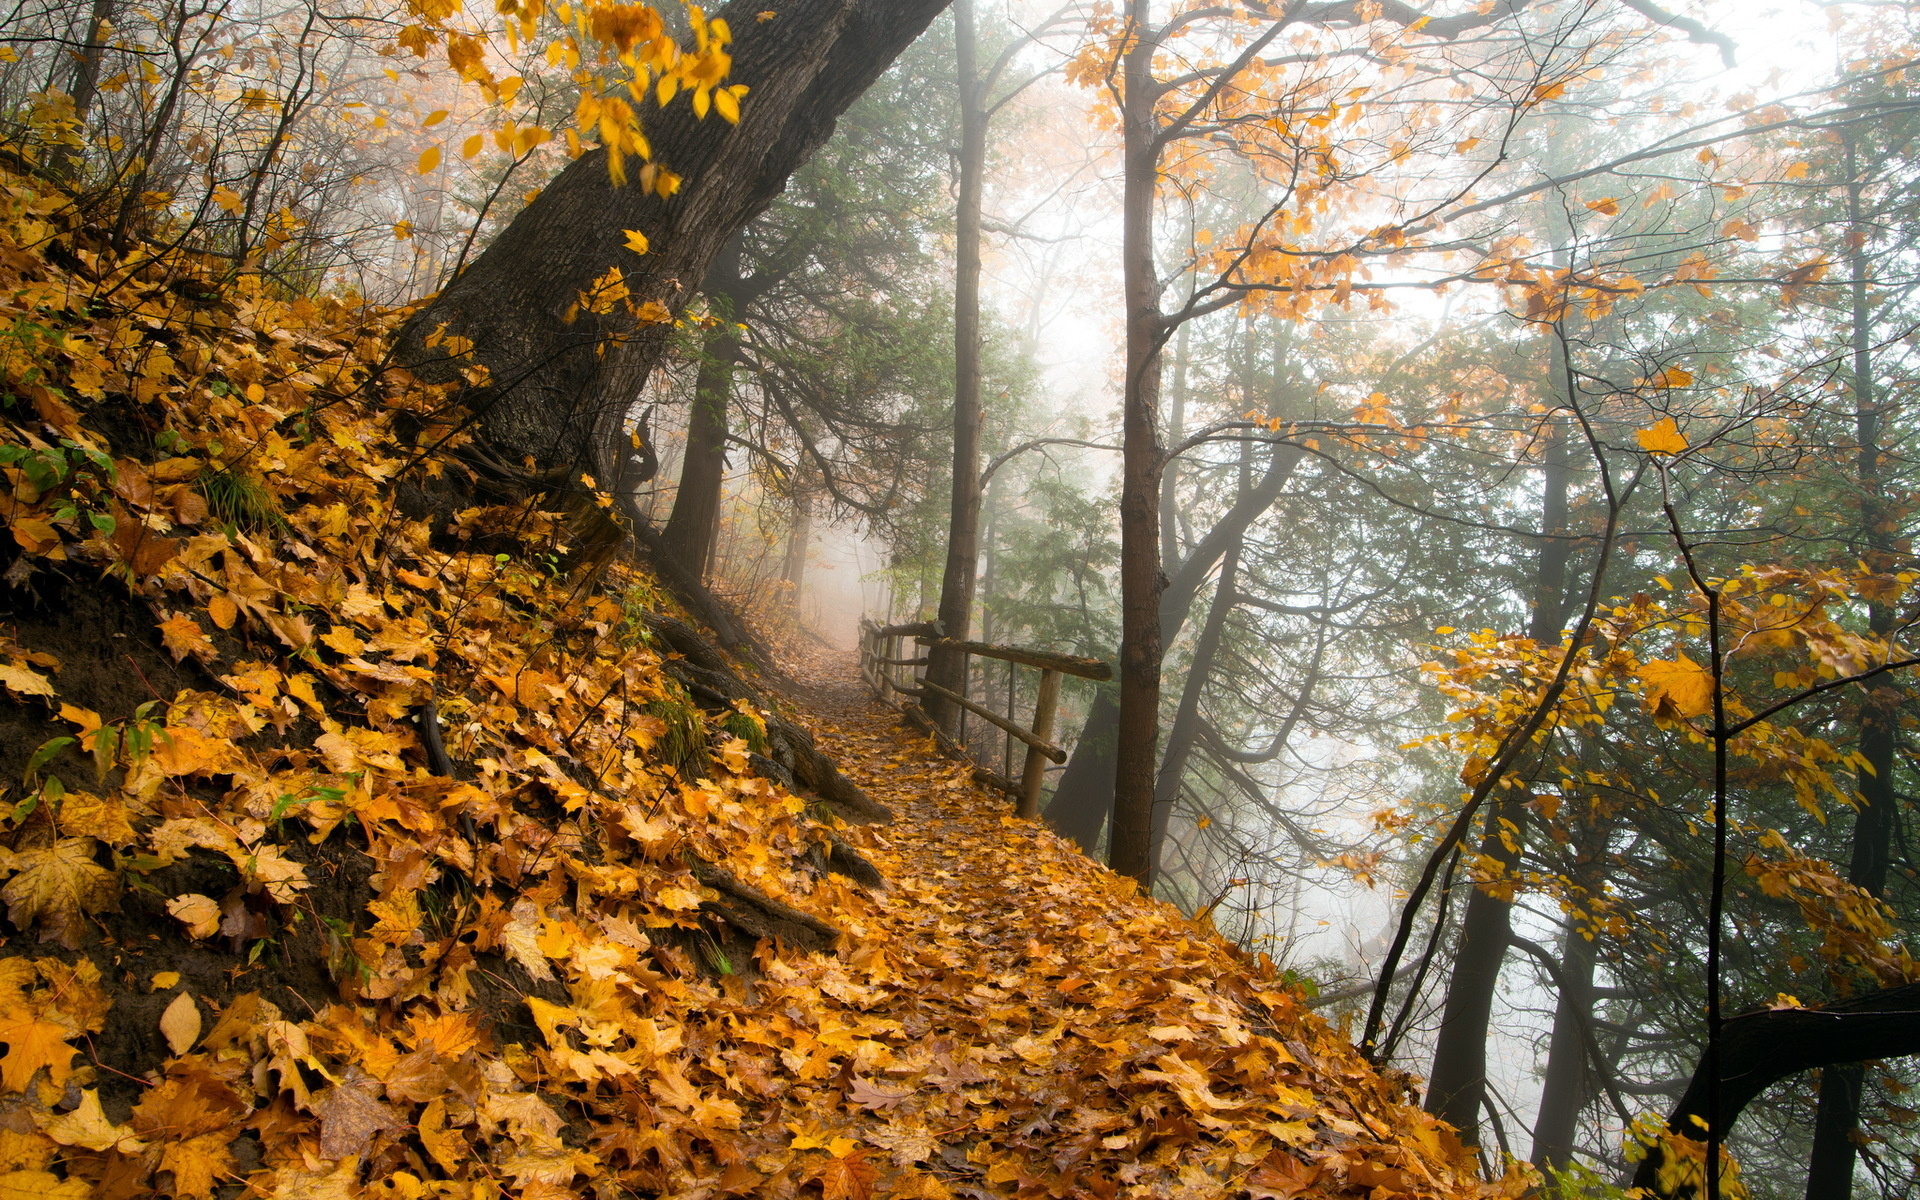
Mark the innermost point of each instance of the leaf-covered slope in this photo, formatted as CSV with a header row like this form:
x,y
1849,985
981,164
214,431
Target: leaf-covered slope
x,y
364,842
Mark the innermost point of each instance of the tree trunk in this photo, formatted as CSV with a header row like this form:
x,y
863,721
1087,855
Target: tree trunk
x,y
799,535
1130,850
1083,798
1176,605
947,666
560,380
1564,1090
1186,718
1457,1086
1457,1089
1760,1049
694,524
1830,1165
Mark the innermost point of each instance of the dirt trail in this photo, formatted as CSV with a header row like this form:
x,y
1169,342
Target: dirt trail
x,y
1069,1037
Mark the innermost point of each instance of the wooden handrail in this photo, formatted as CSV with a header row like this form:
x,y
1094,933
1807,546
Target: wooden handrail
x,y
1046,660
881,650
986,714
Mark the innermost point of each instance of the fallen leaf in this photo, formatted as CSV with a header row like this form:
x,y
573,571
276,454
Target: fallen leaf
x,y
87,1126
181,1023
200,914
1281,1176
56,888
350,1113
32,1043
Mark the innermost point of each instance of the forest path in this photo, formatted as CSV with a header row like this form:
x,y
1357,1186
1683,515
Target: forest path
x,y
1072,1036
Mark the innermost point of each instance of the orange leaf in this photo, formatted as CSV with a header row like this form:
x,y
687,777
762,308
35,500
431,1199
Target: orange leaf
x,y
1662,438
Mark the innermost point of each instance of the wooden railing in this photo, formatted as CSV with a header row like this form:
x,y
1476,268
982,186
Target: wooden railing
x,y
891,671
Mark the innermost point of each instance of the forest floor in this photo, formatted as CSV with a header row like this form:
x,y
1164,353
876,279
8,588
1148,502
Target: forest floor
x,y
1053,993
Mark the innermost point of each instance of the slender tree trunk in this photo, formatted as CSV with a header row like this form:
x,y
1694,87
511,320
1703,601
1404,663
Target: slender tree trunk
x,y
1830,1166
561,380
1097,739
1170,481
693,527
1568,1079
1185,731
947,666
1130,851
86,82
799,536
1457,1088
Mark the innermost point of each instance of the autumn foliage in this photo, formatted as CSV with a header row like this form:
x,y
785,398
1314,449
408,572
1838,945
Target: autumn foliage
x,y
357,847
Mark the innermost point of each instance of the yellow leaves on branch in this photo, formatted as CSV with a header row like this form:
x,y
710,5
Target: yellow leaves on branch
x,y
634,45
1663,437
1678,689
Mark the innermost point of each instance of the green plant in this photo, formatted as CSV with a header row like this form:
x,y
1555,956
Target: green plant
x,y
240,501
81,473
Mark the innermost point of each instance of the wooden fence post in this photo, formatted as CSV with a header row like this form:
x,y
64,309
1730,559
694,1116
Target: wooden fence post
x,y
1036,766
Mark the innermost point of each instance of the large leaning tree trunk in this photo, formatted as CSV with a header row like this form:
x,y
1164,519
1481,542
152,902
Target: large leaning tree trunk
x,y
1759,1049
559,390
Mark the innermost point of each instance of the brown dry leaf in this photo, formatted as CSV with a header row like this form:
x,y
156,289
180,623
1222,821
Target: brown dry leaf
x,y
200,914
350,1113
1281,1176
847,1178
181,1024
878,1097
56,888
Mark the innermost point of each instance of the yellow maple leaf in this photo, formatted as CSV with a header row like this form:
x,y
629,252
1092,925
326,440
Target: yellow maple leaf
x,y
1677,689
24,681
636,241
33,1042
88,1126
1662,438
183,636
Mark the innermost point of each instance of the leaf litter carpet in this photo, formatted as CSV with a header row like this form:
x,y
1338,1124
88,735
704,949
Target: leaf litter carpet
x,y
1051,1032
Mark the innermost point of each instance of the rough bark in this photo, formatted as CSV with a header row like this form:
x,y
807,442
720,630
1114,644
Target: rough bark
x,y
1185,731
1567,1083
1830,1166
559,390
1457,1088
947,665
694,524
1130,849
1760,1049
